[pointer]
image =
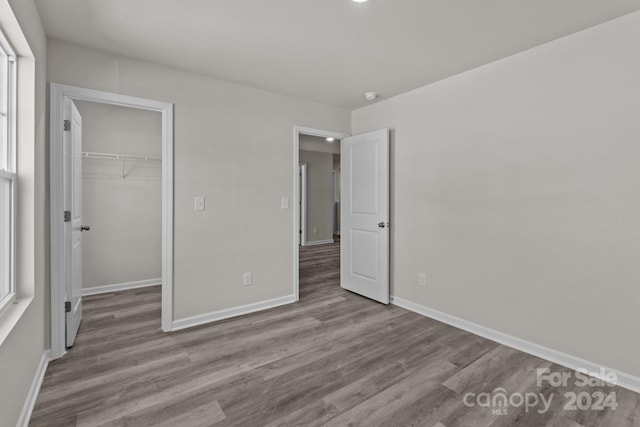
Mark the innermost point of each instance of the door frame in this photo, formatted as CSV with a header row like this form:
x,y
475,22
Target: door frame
x,y
297,131
336,217
302,206
58,94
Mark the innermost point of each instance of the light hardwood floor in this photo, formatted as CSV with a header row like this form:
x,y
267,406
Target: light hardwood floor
x,y
333,358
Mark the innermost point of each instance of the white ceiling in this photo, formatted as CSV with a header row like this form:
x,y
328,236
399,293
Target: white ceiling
x,y
319,144
330,51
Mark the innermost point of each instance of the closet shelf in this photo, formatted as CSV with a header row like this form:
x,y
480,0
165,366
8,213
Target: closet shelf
x,y
122,157
113,156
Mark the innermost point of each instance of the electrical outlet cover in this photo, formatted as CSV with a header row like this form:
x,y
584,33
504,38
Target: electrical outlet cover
x,y
422,279
247,279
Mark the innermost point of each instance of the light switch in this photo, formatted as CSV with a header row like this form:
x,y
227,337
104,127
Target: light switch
x,y
198,203
285,203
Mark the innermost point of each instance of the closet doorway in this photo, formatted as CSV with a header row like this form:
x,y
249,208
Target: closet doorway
x,y
121,197
113,171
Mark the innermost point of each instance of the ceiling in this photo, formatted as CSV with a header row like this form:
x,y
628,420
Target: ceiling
x,y
318,144
329,51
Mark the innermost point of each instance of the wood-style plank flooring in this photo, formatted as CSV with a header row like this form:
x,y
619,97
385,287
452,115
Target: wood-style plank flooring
x,y
333,358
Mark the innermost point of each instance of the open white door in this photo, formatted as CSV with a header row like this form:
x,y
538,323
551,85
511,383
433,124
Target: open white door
x,y
364,239
72,166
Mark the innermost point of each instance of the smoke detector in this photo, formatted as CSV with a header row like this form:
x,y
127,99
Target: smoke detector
x,y
370,95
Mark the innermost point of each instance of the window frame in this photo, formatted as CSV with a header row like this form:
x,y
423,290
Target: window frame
x,y
8,172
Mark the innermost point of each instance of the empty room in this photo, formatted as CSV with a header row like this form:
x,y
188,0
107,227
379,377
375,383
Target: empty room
x,y
320,212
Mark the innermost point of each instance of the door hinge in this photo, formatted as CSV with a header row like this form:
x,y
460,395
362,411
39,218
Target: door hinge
x,y
67,125
67,216
67,306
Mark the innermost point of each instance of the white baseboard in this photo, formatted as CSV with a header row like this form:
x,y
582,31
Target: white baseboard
x,y
30,401
625,380
120,287
201,319
319,242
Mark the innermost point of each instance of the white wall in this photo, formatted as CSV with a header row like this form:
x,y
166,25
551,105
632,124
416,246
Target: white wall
x,y
125,241
233,145
21,351
319,195
516,190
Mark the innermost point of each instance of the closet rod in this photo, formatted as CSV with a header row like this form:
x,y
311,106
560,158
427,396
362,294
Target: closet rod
x,y
111,156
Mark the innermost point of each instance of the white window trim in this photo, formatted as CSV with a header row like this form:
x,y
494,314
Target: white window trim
x,y
11,296
24,75
10,174
12,101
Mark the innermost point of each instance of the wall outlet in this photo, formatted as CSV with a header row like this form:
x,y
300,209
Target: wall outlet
x,y
422,279
247,279
285,203
198,203
315,230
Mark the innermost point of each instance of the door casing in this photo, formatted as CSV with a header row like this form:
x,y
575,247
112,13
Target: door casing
x,y
302,204
59,262
297,131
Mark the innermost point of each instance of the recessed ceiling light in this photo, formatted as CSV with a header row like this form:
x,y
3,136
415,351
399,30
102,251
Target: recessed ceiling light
x,y
330,139
370,95
360,1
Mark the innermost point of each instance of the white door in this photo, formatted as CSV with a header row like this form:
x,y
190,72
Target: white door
x,y
72,158
364,239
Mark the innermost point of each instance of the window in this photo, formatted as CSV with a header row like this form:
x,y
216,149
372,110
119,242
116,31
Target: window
x,y
7,168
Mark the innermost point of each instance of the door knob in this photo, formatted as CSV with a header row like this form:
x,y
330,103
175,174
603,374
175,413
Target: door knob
x,y
382,225
85,228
